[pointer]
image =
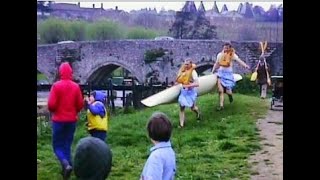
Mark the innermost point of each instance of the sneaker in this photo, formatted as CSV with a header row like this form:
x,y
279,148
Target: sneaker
x,y
219,108
230,98
67,172
66,169
198,116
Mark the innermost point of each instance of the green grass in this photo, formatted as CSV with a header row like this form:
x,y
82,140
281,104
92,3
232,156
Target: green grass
x,y
41,77
216,148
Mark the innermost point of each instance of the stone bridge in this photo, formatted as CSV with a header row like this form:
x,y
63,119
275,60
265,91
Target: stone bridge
x,y
94,60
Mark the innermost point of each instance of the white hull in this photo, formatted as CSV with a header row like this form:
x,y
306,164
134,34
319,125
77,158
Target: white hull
x,y
206,85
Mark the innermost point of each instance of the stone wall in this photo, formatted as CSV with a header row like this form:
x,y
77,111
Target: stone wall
x,y
98,58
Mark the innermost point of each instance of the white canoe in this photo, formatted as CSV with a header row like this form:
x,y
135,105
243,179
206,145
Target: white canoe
x,y
206,85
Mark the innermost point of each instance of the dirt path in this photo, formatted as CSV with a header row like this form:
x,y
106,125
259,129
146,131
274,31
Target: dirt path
x,y
267,164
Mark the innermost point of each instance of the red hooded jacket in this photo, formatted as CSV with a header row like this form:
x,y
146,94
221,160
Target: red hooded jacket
x,y
65,98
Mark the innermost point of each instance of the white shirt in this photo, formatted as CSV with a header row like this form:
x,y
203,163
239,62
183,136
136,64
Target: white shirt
x,y
194,77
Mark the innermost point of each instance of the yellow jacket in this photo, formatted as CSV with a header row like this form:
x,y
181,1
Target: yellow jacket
x,y
226,58
184,75
96,122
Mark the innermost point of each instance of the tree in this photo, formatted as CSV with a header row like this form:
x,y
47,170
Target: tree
x,y
188,25
147,20
273,15
203,29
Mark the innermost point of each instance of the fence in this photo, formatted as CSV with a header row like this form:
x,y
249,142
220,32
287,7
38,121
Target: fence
x,y
131,99
136,92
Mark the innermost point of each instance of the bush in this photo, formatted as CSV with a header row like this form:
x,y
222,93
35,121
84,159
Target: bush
x,y
78,29
141,33
105,30
152,55
245,86
54,30
41,76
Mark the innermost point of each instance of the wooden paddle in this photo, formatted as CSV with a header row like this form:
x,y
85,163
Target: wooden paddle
x,y
263,46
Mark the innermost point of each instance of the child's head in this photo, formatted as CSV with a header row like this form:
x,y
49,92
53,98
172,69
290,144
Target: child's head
x,y
97,96
89,151
159,127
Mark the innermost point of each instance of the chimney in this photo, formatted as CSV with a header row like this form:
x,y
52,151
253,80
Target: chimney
x,y
93,6
101,5
116,8
79,4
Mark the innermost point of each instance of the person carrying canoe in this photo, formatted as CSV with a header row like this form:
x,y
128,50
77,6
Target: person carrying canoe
x,y
188,77
225,73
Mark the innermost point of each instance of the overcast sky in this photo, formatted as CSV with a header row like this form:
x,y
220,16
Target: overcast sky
x,y
177,5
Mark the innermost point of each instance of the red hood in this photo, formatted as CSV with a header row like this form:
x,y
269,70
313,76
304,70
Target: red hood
x,y
65,71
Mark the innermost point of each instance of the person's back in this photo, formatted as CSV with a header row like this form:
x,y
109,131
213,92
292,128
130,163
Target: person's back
x,y
65,102
161,163
165,156
262,69
65,98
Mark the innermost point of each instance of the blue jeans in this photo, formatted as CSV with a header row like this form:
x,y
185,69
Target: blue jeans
x,y
98,134
62,138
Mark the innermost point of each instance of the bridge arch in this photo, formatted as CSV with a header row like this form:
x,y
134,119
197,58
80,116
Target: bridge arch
x,y
102,70
204,66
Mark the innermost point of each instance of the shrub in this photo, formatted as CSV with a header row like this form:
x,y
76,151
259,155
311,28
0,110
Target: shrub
x,y
54,30
152,55
141,33
245,86
104,30
78,30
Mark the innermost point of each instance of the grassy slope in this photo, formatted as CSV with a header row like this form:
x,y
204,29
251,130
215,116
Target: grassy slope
x,y
216,148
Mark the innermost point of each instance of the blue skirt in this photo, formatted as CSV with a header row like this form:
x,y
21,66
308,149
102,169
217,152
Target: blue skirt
x,y
187,97
226,78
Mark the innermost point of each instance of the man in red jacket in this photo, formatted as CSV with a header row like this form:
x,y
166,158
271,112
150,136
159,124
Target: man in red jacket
x,y
65,102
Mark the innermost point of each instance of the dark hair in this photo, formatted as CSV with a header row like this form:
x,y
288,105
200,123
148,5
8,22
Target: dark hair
x,y
88,151
227,44
159,127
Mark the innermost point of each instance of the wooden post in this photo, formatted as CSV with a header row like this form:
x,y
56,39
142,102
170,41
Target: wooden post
x,y
134,93
123,97
166,82
111,95
150,87
127,104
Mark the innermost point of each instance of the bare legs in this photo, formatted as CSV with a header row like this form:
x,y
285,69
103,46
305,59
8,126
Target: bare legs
x,y
194,108
181,115
263,91
221,95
